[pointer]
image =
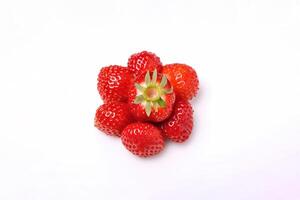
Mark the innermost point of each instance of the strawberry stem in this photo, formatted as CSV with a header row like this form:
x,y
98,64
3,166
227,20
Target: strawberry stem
x,y
151,93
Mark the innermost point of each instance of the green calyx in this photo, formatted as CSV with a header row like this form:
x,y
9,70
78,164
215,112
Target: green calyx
x,y
152,93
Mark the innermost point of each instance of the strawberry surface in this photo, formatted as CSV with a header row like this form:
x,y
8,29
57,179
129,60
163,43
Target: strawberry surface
x,y
113,83
112,118
180,124
142,139
144,61
183,78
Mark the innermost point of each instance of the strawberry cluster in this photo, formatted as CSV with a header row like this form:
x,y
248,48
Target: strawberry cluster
x,y
146,103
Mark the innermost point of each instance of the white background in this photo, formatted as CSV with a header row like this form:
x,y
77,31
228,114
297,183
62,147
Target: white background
x,y
246,139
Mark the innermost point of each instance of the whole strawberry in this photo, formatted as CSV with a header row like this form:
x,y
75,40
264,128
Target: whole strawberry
x,y
142,139
113,82
180,124
151,97
183,78
144,61
112,118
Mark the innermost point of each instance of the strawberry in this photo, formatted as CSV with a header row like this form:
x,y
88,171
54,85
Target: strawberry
x,y
151,99
112,118
183,78
180,124
144,61
113,82
142,139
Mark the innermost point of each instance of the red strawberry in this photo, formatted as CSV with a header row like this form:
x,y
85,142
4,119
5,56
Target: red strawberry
x,y
113,83
151,99
144,61
183,78
142,139
112,118
179,126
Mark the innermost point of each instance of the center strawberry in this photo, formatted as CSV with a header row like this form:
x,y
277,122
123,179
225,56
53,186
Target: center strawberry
x,y
151,98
